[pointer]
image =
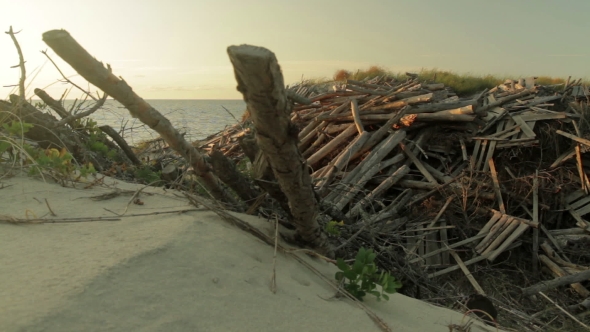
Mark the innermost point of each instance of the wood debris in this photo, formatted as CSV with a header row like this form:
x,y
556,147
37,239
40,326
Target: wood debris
x,y
427,176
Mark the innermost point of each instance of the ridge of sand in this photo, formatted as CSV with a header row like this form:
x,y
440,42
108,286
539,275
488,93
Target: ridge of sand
x,y
187,271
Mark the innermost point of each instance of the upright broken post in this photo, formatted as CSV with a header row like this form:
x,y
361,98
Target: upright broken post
x,y
64,45
261,83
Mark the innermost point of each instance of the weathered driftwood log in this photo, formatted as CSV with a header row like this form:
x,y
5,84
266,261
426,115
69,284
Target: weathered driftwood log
x,y
557,282
365,84
261,83
404,102
262,173
310,150
357,116
226,170
443,116
380,133
483,109
343,159
312,130
394,208
431,108
52,103
558,271
357,178
386,184
64,45
122,143
367,91
377,154
332,145
362,178
456,115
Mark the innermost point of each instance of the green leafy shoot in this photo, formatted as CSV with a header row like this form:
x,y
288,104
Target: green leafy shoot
x,y
332,227
363,277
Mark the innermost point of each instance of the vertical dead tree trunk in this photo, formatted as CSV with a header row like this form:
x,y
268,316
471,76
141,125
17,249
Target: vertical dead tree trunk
x,y
64,45
260,81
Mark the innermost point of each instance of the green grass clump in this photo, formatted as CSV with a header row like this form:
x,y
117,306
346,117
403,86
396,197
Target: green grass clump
x,y
363,277
147,175
462,84
56,162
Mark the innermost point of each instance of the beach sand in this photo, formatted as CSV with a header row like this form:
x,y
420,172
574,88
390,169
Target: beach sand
x,y
190,271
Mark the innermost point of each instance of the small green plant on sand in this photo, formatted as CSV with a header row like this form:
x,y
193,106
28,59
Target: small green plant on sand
x,y
147,175
332,227
96,137
56,162
363,276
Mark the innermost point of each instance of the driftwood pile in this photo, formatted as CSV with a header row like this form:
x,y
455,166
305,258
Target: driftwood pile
x,y
437,183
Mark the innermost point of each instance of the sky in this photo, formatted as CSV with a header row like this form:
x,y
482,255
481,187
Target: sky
x,y
177,49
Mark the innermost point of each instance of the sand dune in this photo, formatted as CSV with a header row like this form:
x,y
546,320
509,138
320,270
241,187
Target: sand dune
x,y
188,271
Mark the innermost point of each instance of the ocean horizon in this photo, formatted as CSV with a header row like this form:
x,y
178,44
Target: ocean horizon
x,y
198,118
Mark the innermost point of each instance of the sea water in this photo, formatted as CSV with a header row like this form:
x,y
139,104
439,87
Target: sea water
x,y
197,118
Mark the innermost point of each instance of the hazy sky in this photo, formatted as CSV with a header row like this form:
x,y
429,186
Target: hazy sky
x,y
176,49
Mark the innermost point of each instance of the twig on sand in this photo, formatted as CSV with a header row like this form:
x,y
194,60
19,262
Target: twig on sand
x,y
12,220
273,285
49,207
135,195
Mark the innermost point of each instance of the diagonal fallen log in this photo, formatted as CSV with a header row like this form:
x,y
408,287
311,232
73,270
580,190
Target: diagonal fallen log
x,y
557,282
64,45
260,81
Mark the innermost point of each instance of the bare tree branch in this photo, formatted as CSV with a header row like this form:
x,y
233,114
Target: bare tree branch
x,y
93,109
21,64
67,79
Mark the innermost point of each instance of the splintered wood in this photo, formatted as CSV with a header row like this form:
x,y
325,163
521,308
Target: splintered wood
x,y
502,230
578,205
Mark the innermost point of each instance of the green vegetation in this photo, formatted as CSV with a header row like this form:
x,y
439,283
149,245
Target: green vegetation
x,y
96,137
147,175
56,162
332,227
242,167
462,84
363,277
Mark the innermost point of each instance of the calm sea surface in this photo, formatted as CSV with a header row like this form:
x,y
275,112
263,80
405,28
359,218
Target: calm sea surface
x,y
198,118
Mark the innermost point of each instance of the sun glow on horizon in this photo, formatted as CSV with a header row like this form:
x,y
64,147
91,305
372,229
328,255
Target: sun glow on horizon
x,y
177,49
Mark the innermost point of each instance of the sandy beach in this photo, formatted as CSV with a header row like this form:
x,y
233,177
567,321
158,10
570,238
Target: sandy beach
x,y
179,271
